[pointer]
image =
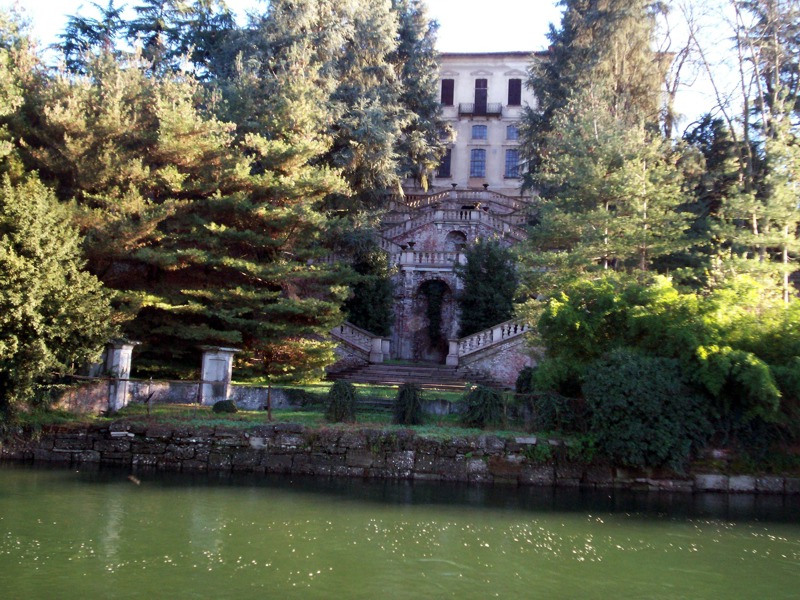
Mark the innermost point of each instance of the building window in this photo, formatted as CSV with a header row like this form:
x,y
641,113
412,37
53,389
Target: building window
x,y
447,92
512,164
481,96
514,92
444,164
477,163
512,132
479,132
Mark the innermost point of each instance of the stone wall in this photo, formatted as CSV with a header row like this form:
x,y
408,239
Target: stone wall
x,y
92,397
295,449
501,362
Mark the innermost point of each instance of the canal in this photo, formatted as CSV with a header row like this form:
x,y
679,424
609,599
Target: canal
x,y
96,533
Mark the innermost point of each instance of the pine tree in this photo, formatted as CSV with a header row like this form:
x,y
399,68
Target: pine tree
x,y
605,44
420,146
86,36
610,199
366,102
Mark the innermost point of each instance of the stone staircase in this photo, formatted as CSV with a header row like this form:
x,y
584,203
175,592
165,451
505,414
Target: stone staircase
x,y
426,375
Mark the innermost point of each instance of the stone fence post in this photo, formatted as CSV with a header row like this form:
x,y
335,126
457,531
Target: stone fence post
x,y
118,367
216,374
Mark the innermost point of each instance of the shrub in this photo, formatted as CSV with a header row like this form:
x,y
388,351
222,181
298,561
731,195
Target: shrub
x,y
642,413
553,412
485,407
342,399
225,406
408,405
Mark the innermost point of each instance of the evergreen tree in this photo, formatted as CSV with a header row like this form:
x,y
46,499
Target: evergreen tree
x,y
53,315
366,102
420,145
601,44
210,239
157,27
610,198
85,36
490,283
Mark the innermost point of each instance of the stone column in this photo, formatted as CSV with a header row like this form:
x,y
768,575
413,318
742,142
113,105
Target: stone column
x,y
216,374
118,367
452,354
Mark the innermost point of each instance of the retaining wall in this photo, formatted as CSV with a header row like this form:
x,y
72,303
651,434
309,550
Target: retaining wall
x,y
370,453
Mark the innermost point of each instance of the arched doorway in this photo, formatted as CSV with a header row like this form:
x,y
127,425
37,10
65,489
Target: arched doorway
x,y
435,309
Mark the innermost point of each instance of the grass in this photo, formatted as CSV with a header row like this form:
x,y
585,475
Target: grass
x,y
194,416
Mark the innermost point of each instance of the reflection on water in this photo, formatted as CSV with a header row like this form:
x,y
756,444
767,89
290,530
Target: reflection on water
x,y
93,533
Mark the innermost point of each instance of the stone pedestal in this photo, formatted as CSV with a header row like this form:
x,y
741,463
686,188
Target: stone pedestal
x,y
118,367
216,374
376,352
452,354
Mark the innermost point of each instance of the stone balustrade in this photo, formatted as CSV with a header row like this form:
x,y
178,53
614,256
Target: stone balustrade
x,y
485,339
507,224
376,347
410,259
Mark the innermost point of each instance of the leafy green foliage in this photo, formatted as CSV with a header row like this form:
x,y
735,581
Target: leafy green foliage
x,y
371,303
643,414
53,315
342,399
490,282
225,406
408,405
485,407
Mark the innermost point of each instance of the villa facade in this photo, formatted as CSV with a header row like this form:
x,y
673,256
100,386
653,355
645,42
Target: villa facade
x,y
476,193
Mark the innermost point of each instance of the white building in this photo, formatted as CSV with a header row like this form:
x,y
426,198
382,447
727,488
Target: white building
x,y
483,97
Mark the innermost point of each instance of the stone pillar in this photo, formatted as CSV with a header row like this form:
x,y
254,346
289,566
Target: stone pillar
x,y
216,374
376,352
118,367
452,354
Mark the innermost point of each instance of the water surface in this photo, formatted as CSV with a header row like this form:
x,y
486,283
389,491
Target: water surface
x,y
96,534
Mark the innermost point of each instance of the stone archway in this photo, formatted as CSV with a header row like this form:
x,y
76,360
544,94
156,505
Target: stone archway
x,y
434,312
456,241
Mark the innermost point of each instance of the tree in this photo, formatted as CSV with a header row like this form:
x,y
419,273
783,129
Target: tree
x,y
420,146
85,36
610,197
210,239
605,44
366,102
490,283
370,305
53,315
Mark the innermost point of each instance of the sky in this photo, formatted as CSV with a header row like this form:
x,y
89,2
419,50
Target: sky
x,y
465,25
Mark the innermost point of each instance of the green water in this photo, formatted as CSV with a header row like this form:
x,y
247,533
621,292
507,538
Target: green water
x,y
95,534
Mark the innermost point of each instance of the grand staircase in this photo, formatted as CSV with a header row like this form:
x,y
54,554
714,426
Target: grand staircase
x,y
426,375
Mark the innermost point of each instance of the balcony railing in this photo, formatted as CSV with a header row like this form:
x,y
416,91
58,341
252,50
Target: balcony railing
x,y
480,110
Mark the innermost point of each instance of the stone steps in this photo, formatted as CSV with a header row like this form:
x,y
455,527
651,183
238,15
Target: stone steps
x,y
427,376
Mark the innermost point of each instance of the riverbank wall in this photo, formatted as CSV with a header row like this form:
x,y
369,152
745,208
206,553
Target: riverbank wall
x,y
352,452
